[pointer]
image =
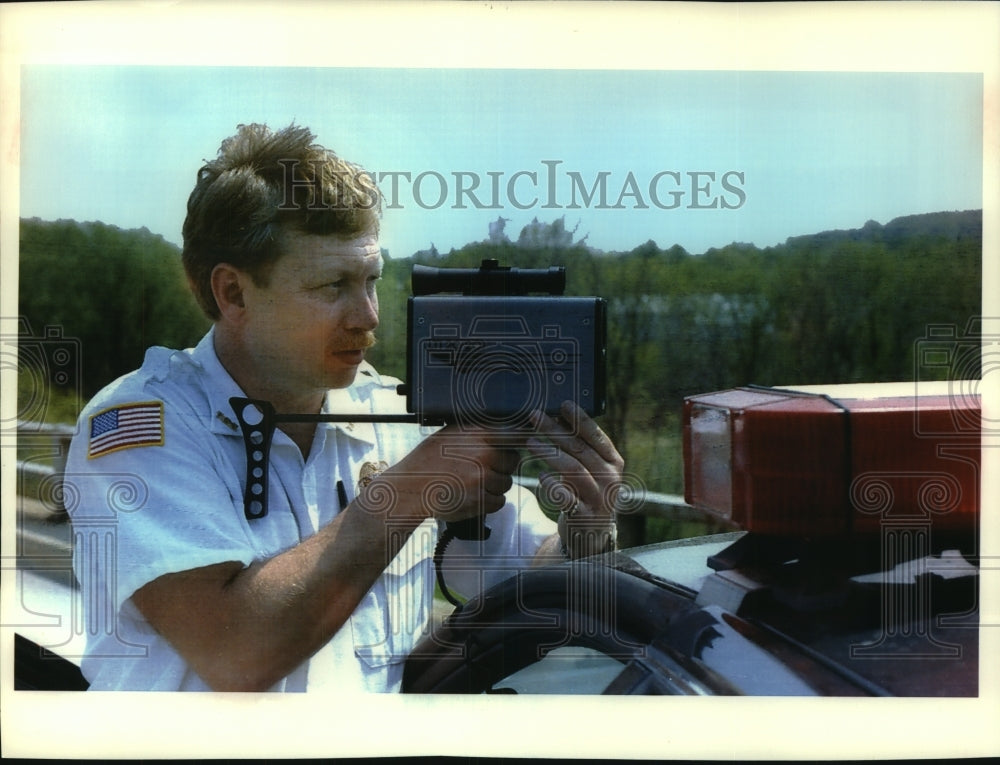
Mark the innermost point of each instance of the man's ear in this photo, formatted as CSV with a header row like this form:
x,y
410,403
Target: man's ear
x,y
228,283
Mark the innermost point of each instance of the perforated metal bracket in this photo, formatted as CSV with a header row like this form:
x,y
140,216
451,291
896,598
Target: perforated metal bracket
x,y
257,423
258,420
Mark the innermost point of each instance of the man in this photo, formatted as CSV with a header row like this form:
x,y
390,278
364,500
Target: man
x,y
333,585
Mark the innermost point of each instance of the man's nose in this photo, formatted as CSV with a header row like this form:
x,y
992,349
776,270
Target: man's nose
x,y
363,313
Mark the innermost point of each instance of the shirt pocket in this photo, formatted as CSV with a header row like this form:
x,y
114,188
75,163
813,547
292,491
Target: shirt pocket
x,y
395,613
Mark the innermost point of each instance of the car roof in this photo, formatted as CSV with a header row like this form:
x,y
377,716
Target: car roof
x,y
909,629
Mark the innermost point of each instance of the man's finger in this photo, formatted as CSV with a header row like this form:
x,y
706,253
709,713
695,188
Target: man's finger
x,y
589,431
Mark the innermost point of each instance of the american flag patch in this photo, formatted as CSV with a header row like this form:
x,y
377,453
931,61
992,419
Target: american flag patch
x,y
126,426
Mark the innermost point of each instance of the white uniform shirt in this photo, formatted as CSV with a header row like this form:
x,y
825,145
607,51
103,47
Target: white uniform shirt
x,y
155,482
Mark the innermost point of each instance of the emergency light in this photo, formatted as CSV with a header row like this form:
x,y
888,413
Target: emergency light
x,y
826,461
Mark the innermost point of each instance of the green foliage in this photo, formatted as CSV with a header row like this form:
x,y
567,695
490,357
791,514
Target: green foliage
x,y
46,402
389,353
114,292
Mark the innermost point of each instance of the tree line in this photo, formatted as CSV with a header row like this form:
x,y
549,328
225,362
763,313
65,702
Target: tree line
x,y
837,306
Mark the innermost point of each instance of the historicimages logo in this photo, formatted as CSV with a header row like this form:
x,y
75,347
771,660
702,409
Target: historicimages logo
x,y
37,365
549,186
964,361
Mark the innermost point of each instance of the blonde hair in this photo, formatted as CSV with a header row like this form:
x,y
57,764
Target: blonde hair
x,y
263,184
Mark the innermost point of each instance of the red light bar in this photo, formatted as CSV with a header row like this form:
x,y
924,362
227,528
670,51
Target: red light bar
x,y
828,461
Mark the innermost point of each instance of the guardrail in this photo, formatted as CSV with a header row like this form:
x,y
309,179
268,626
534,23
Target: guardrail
x,y
48,445
35,481
646,505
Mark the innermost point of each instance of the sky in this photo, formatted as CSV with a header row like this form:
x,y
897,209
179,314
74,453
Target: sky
x,y
695,158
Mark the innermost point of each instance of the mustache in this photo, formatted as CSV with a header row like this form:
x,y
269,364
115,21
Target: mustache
x,y
354,341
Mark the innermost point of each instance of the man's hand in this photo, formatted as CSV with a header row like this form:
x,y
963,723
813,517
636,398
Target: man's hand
x,y
453,475
585,480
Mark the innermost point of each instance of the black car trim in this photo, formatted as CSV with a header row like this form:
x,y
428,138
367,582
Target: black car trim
x,y
518,621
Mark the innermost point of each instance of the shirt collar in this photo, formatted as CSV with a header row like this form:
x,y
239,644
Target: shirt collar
x,y
221,387
348,401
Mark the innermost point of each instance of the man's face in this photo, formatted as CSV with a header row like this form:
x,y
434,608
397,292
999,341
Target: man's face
x,y
307,329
